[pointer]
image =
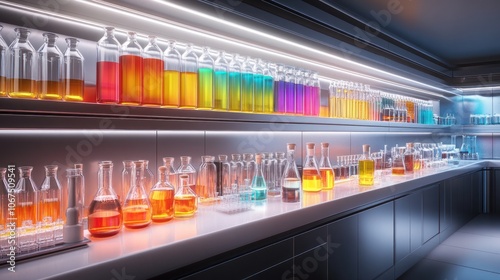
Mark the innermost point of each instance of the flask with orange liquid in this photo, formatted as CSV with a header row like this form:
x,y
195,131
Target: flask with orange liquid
x,y
185,200
311,178
136,208
161,197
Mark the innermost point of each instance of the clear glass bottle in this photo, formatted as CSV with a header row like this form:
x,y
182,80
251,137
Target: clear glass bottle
x,y
149,177
311,178
188,169
290,90
168,162
290,180
258,86
50,216
105,213
325,168
131,71
4,214
185,200
299,92
221,82
136,208
171,76
247,86
409,157
189,79
153,73
235,83
268,77
248,169
366,168
127,178
75,191
22,66
3,65
207,180
205,80
398,163
236,171
417,160
73,72
279,89
336,170
225,176
280,169
258,185
50,68
26,193
270,166
108,67
161,197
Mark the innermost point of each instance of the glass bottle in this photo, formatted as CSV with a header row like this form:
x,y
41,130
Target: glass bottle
x,y
105,213
185,200
289,90
311,178
270,173
127,178
316,94
162,197
49,209
268,98
207,180
336,170
73,72
131,71
366,167
171,76
258,185
221,82
247,86
4,214
224,176
189,79
409,157
398,165
417,160
205,80
168,162
152,92
279,89
108,67
26,194
149,177
3,66
248,169
299,92
136,208
188,169
236,171
325,168
50,68
258,86
291,179
280,169
235,84
73,227
23,66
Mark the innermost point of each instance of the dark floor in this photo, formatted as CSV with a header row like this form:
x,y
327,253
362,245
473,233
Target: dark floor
x,y
473,252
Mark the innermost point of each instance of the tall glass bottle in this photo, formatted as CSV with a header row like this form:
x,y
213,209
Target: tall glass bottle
x,y
149,177
136,208
248,169
50,209
258,87
108,67
409,157
225,176
325,168
127,178
3,66
188,169
205,80
23,66
153,74
4,214
131,71
235,84
185,200
73,72
316,94
73,210
171,76
299,92
280,169
105,213
270,166
50,68
189,79
290,180
168,162
311,178
162,197
279,89
26,194
221,82
309,95
366,168
247,86
258,185
207,180
236,171
268,98
289,90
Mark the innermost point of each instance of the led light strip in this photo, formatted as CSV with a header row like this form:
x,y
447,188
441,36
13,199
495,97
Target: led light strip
x,y
479,89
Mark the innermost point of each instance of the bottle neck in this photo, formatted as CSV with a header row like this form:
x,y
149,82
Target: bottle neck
x,y
105,178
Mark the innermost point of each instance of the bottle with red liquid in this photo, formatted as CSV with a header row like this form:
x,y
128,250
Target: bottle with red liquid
x,y
105,213
136,208
73,73
131,71
171,76
153,74
108,74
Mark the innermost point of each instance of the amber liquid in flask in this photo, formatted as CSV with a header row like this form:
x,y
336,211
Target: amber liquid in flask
x,y
311,178
136,208
325,168
161,197
185,201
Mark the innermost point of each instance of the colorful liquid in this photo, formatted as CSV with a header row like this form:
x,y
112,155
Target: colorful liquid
x,y
417,164
25,214
311,180
299,99
49,210
189,90
410,107
259,189
268,98
22,88
136,215
49,90
366,172
398,171
73,89
308,101
291,190
131,79
327,178
290,98
279,96
234,91
221,91
316,101
162,205
247,92
344,172
205,88
258,93
3,86
185,205
153,82
108,81
105,223
409,160
171,88
336,171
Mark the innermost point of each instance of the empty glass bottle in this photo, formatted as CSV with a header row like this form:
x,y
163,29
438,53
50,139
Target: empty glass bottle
x,y
50,209
105,213
161,197
168,162
290,180
23,66
149,177
225,176
50,68
188,169
171,76
311,178
280,169
4,214
235,83
325,168
185,200
26,193
258,185
73,211
136,208
153,73
247,86
221,82
131,71
270,166
73,72
108,67
205,80
366,168
207,180
3,65
189,79
127,178
248,169
236,171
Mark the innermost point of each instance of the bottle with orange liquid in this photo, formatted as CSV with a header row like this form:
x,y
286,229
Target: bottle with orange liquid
x,y
131,71
398,162
26,194
105,213
161,197
108,67
171,76
187,168
3,66
325,168
311,177
4,214
205,80
153,74
50,209
185,200
409,157
73,73
23,66
50,68
189,79
136,208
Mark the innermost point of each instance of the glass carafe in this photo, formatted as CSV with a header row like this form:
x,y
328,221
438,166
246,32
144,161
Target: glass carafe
x,y
291,179
279,89
409,157
270,167
108,67
235,84
127,178
26,193
236,172
185,200
168,162
171,76
161,197
136,208
50,209
258,87
258,185
366,168
153,73
73,72
23,66
50,68
73,227
207,180
221,82
188,169
398,163
205,80
4,214
311,178
105,213
247,85
268,106
131,71
3,66
325,168
189,79
224,177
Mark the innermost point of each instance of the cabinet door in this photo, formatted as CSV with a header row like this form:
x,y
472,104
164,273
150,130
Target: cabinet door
x,y
477,193
430,225
343,260
402,226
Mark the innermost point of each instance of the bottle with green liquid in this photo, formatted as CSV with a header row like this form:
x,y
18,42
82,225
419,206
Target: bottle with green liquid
x,y
189,79
205,80
221,82
258,186
258,87
268,91
247,86
235,84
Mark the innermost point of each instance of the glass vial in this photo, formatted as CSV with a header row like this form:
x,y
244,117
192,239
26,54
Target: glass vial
x,y
235,84
280,169
409,157
205,80
206,189
366,168
236,172
289,90
136,208
171,76
279,89
291,179
49,209
131,71
311,178
73,228
247,86
188,169
105,213
221,82
299,92
161,197
270,167
153,73
258,185
23,66
258,86
3,66
185,200
325,168
108,67
225,176
189,79
5,228
168,162
26,193
73,72
50,68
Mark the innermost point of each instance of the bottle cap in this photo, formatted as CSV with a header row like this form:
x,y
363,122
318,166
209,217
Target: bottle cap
x,y
410,145
325,145
310,145
366,148
290,146
162,169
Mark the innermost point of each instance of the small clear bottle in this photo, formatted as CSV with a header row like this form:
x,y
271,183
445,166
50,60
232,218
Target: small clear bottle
x,y
247,99
73,227
280,169
73,72
161,197
207,180
108,67
152,92
4,214
189,79
221,82
236,172
258,185
235,84
398,162
50,216
248,169
225,176
188,169
127,178
325,168
366,168
171,76
23,66
131,71
26,193
136,208
149,177
270,172
205,80
290,180
409,158
50,68
105,213
168,162
3,66
185,200
311,178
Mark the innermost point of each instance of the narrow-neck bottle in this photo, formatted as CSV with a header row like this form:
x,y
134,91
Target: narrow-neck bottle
x,y
108,67
23,66
268,92
409,157
270,166
205,80
290,180
325,168
247,99
289,90
3,65
280,169
207,180
311,178
131,71
73,72
189,79
185,200
221,82
50,68
50,209
188,169
153,73
235,83
236,172
366,168
258,87
26,193
225,176
161,197
171,76
279,89
248,169
136,208
4,214
258,185
168,162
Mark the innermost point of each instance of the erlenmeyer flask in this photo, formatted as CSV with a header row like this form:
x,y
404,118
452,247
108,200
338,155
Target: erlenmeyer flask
x,y
73,73
291,179
26,194
162,197
189,79
136,208
325,168
258,185
108,67
221,82
49,209
235,84
188,169
205,80
185,200
207,180
258,87
3,66
153,73
105,213
23,66
4,214
246,86
168,162
131,71
267,72
398,165
50,68
171,76
311,178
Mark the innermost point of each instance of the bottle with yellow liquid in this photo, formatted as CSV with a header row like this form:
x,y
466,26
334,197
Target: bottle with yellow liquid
x,y
161,197
26,193
366,168
268,77
23,66
185,200
221,83
311,177
325,168
247,86
50,68
235,83
171,76
50,216
205,80
189,79
153,73
136,208
3,66
73,72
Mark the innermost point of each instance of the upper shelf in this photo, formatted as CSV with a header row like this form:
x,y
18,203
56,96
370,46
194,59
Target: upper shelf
x,y
42,114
